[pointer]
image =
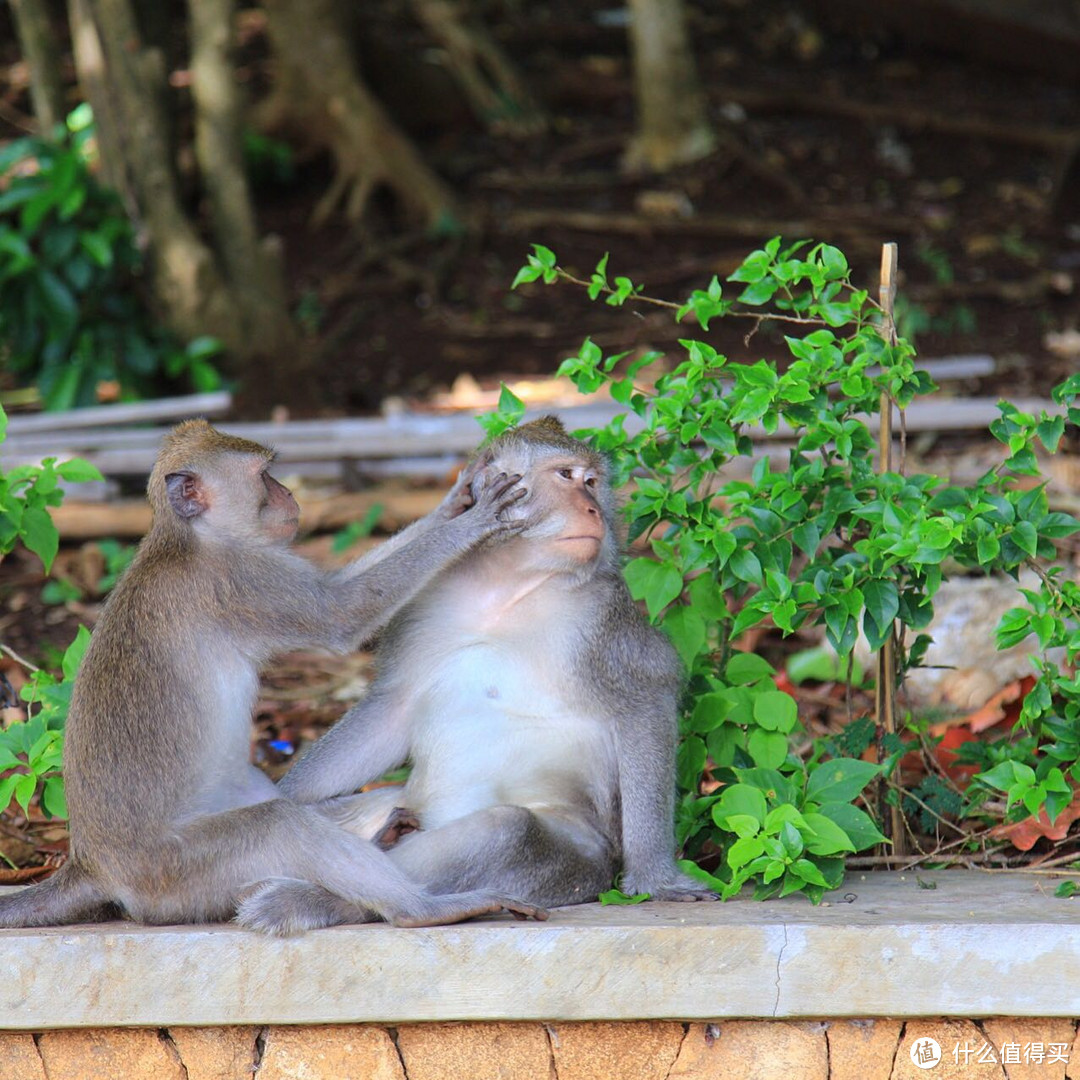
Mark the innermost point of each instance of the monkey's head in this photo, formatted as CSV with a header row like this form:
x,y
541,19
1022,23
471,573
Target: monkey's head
x,y
218,487
570,507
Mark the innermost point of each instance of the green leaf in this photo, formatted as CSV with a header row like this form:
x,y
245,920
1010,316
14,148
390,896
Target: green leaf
x,y
1025,537
59,297
53,799
774,785
97,248
882,602
821,664
746,566
767,748
807,538
1050,431
740,799
775,711
839,780
525,275
828,837
657,583
618,897
707,598
690,761
39,535
686,628
25,786
857,824
691,869
78,471
744,850
744,668
75,652
806,870
760,292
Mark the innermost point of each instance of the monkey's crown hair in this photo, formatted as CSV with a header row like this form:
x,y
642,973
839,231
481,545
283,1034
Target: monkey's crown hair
x,y
548,431
198,436
189,446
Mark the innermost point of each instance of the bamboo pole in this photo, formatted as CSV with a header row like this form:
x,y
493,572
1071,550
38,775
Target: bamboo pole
x,y
885,689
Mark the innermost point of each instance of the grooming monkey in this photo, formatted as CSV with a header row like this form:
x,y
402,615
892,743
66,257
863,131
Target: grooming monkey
x,y
169,820
537,706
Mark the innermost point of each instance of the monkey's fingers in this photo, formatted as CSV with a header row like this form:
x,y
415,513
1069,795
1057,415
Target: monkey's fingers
x,y
502,484
441,910
522,912
400,822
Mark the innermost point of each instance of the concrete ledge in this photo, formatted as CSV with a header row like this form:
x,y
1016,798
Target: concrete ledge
x,y
974,945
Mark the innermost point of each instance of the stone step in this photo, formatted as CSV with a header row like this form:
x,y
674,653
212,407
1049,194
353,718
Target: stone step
x,y
926,943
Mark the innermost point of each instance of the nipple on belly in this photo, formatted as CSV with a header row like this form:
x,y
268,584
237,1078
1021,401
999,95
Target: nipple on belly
x,y
492,692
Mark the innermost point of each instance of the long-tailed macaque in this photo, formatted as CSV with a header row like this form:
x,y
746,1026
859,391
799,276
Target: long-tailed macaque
x,y
169,820
537,706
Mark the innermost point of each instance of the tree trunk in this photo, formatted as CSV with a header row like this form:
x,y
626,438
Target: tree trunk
x,y
37,42
253,268
494,89
196,293
90,68
672,125
320,93
186,278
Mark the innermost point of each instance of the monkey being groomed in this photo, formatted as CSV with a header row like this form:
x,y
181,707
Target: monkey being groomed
x,y
537,706
169,820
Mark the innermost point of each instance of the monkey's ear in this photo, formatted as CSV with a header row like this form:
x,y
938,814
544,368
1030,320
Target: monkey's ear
x,y
186,494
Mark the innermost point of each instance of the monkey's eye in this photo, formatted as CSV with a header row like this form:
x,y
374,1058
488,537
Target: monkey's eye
x,y
590,481
566,474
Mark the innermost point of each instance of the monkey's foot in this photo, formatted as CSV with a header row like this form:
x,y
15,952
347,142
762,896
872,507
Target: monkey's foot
x,y
286,907
678,887
400,822
457,907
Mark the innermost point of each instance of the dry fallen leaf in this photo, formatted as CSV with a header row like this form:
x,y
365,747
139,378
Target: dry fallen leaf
x,y
1024,834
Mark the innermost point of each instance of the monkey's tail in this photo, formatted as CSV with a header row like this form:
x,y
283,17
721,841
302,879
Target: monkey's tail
x,y
69,896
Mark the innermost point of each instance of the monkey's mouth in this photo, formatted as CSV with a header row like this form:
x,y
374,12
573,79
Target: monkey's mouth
x,y
584,536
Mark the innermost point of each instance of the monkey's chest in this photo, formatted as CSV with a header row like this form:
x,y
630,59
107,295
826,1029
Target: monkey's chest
x,y
491,729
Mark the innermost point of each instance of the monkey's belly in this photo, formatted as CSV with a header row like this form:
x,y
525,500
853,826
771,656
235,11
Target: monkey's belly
x,y
491,743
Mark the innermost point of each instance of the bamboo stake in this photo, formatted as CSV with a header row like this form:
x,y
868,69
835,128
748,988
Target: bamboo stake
x,y
885,690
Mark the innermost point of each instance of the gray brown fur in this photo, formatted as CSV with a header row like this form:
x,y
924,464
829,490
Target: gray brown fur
x,y
537,705
169,820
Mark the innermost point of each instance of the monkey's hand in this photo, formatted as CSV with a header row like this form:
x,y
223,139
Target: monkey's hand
x,y
400,822
670,885
488,516
461,497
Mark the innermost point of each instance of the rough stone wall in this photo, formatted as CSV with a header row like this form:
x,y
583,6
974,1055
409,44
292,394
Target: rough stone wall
x,y
995,1049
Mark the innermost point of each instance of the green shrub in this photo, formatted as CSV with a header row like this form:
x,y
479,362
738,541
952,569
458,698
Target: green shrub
x,y
30,750
71,313
826,539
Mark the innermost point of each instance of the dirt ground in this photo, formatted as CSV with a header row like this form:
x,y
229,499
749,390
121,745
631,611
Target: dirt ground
x,y
988,223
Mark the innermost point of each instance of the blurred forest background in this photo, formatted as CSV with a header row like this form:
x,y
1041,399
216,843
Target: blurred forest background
x,y
324,203
320,206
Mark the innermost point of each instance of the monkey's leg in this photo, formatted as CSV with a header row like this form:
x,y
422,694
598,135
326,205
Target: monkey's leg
x,y
550,859
69,896
212,862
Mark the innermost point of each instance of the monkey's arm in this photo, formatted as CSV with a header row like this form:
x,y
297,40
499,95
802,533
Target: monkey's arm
x,y
645,713
382,587
282,602
370,739
457,500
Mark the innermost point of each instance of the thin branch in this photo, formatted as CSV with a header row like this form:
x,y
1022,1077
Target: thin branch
x,y
8,651
759,316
